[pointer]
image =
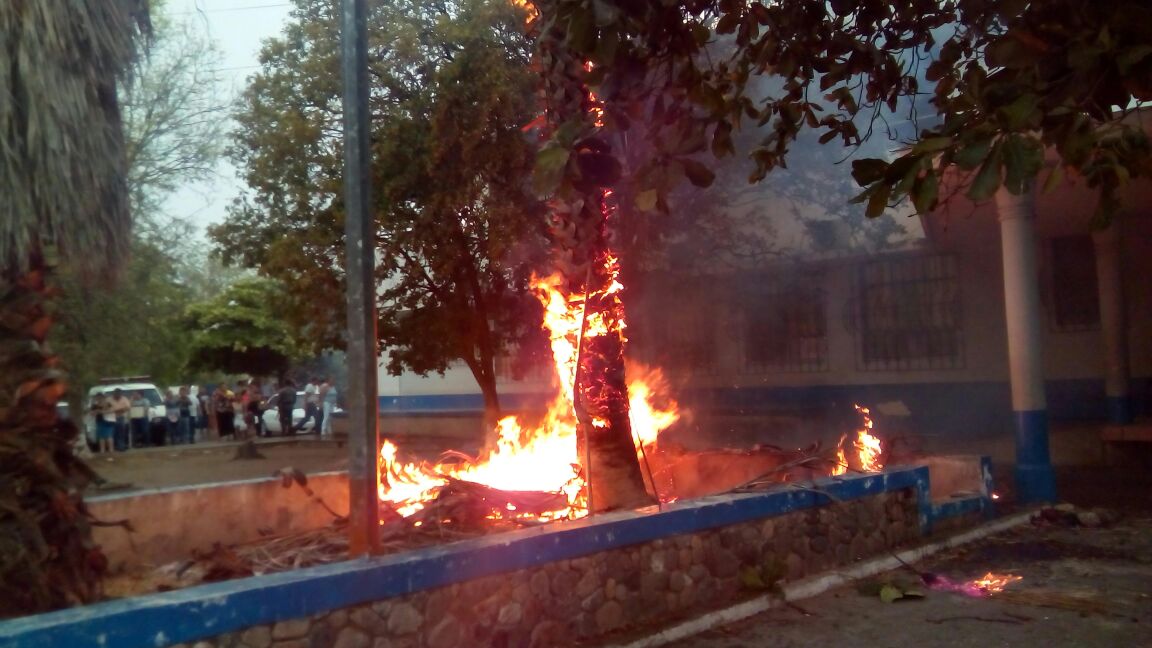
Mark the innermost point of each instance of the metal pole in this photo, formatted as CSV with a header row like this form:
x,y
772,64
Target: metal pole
x,y
359,226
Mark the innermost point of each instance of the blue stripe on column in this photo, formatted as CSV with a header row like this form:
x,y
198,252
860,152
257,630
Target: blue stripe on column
x,y
1035,482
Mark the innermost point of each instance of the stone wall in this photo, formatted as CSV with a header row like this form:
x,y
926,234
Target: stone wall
x,y
611,593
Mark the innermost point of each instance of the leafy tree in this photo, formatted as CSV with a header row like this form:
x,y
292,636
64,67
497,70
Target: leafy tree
x,y
241,331
129,326
458,230
1010,78
62,169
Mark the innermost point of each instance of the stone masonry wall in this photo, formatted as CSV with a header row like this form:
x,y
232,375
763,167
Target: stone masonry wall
x,y
611,592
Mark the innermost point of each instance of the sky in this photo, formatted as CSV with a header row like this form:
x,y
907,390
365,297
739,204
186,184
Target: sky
x,y
238,27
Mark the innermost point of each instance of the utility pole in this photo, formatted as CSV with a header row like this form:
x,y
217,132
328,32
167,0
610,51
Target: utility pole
x,y
359,234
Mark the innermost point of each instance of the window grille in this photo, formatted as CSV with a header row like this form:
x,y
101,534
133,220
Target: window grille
x,y
908,314
683,341
1075,295
506,370
785,325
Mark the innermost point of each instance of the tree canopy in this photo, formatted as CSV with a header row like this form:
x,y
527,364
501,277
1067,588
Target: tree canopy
x,y
241,331
458,229
1007,78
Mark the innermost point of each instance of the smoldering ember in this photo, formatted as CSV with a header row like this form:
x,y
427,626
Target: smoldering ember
x,y
575,322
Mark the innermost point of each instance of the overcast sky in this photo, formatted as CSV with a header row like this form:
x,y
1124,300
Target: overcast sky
x,y
238,28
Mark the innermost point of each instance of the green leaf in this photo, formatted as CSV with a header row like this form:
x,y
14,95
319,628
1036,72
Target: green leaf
x,y
1132,56
606,48
972,155
697,173
932,145
549,169
878,201
890,593
728,23
925,192
646,200
1021,112
582,32
1055,177
1023,158
750,578
865,171
988,179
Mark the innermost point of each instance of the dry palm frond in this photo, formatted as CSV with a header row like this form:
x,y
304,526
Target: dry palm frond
x,y
62,161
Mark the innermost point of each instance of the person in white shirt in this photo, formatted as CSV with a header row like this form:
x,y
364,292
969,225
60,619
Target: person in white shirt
x,y
311,406
327,393
121,407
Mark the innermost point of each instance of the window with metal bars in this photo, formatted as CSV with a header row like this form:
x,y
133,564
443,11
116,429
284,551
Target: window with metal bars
x,y
506,369
1075,295
908,314
785,325
684,341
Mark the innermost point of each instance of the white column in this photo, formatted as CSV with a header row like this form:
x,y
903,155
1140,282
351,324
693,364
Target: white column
x,y
1034,479
1113,322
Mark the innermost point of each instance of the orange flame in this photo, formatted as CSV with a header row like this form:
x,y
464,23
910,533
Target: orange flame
x,y
992,583
545,458
529,8
868,448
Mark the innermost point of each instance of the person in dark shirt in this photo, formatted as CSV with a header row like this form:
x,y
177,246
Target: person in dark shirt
x,y
285,403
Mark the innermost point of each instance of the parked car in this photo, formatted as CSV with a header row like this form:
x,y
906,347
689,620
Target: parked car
x,y
271,416
127,385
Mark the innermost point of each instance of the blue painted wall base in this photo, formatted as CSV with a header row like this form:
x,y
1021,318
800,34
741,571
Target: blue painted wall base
x,y
1120,410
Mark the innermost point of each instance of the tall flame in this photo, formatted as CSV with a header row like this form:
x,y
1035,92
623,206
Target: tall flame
x,y
868,447
543,458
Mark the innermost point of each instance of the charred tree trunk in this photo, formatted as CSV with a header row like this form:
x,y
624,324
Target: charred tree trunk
x,y
616,481
581,230
47,557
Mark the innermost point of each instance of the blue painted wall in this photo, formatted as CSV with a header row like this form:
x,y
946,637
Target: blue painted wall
x,y
971,408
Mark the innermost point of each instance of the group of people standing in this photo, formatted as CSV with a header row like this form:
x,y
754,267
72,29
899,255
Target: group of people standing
x,y
124,421
239,413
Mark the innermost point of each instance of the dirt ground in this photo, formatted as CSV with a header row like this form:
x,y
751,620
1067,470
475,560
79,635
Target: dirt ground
x,y
213,462
205,463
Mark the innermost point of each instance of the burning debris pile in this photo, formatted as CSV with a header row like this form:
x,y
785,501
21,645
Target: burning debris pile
x,y
536,474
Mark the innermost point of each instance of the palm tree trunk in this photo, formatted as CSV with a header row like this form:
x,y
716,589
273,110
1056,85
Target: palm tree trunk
x,y
47,557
